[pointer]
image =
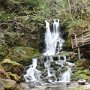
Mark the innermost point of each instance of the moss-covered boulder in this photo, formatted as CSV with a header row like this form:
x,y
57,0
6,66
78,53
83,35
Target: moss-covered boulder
x,y
22,54
85,63
3,73
12,66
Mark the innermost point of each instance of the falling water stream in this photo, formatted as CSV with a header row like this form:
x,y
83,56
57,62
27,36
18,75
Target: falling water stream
x,y
52,68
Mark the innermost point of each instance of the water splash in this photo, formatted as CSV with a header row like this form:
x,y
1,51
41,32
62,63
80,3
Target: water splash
x,y
32,73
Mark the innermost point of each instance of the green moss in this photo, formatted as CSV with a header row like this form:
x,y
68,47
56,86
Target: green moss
x,y
5,16
39,18
67,44
65,53
81,74
87,72
23,54
3,51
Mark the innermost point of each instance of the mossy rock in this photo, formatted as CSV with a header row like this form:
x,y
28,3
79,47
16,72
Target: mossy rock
x,y
3,73
12,66
8,84
14,77
83,63
23,54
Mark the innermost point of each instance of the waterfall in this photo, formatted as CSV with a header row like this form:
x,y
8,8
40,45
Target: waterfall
x,y
52,67
53,40
32,73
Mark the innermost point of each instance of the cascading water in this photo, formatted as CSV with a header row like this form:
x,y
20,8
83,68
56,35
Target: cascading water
x,y
32,73
53,40
52,67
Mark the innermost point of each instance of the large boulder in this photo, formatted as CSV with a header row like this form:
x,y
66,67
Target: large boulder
x,y
12,66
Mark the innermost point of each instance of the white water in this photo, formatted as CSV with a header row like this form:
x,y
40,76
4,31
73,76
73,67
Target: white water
x,y
54,43
66,76
32,73
53,40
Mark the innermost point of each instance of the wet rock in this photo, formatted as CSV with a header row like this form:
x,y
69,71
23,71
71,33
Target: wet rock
x,y
52,64
44,74
82,82
55,58
45,59
40,62
52,78
61,58
41,68
63,69
58,72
